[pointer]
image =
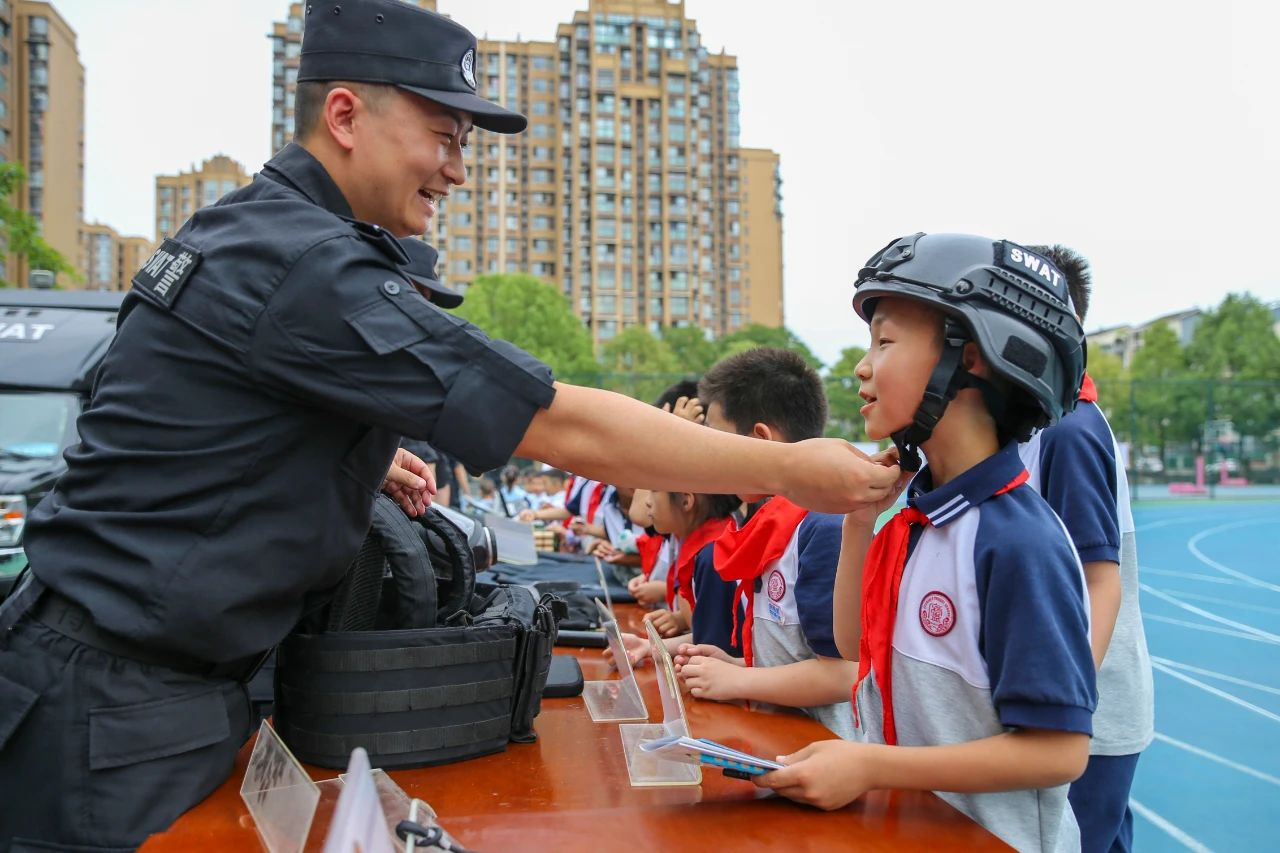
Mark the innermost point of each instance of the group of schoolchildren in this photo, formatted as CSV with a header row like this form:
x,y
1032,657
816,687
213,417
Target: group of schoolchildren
x,y
986,642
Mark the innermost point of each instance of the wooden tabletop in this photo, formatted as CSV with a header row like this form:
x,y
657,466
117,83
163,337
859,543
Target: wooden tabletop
x,y
570,791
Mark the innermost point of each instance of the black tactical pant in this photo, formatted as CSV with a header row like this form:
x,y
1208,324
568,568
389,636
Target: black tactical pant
x,y
96,751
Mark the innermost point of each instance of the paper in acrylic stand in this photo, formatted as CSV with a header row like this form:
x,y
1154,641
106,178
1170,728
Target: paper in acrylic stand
x,y
359,824
611,701
647,768
285,803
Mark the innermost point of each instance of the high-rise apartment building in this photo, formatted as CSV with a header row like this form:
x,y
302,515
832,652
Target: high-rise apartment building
x,y
109,260
8,105
628,191
286,47
45,104
179,196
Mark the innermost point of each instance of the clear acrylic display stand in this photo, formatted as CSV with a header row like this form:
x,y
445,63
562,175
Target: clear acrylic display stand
x,y
611,701
285,803
645,768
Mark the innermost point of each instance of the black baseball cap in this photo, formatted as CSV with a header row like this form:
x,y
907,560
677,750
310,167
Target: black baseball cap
x,y
421,269
394,43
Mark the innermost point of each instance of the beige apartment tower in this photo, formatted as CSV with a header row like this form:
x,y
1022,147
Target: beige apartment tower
x,y
45,113
179,196
109,260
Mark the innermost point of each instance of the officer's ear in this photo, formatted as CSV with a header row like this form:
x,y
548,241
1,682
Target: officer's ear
x,y
340,108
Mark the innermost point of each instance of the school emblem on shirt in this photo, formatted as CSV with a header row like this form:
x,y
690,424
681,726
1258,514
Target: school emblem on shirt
x,y
777,585
469,67
937,614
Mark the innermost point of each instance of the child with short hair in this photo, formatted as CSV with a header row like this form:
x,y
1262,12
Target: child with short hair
x,y
975,677
781,560
1077,466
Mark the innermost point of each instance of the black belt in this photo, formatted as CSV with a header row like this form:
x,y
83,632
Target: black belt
x,y
69,619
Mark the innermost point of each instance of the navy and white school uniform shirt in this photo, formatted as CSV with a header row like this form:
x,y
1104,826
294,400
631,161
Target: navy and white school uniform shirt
x,y
991,633
1077,466
791,593
713,618
792,607
619,529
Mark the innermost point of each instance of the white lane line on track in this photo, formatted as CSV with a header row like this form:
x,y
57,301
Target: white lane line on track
x,y
1221,694
1209,599
1193,545
1182,623
1169,829
1143,570
1214,757
1220,676
1212,617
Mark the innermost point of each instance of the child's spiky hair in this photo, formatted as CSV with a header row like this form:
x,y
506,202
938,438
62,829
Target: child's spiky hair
x,y
1075,267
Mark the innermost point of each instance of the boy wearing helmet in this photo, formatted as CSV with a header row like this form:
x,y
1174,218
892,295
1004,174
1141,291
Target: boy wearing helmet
x,y
967,613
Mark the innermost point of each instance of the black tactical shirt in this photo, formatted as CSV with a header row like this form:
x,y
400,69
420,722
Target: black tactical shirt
x,y
269,358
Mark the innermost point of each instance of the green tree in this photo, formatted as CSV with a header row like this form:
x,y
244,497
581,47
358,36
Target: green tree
x,y
638,364
694,353
22,231
534,316
1168,407
757,335
1109,374
843,402
1236,342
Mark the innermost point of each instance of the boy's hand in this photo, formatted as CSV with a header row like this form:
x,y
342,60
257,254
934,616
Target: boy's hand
x,y
409,483
689,408
710,678
828,774
527,515
638,650
831,475
706,650
603,549
666,623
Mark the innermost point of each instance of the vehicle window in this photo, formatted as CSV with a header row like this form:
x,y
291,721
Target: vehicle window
x,y
37,426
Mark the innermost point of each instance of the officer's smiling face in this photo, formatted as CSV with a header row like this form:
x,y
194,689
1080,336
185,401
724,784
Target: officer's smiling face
x,y
906,340
407,156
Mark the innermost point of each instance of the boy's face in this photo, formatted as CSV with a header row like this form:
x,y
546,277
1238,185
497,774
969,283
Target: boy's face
x,y
906,340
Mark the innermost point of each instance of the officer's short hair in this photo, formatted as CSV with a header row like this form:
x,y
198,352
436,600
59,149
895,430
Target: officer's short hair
x,y
1075,267
308,102
771,386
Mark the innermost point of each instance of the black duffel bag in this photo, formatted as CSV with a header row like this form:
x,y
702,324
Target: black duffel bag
x,y
397,664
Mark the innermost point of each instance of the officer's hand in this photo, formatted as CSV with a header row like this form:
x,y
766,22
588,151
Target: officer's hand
x,y
831,475
868,514
410,483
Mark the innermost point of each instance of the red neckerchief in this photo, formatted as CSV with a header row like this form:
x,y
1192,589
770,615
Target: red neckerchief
x,y
650,548
1088,391
881,581
743,553
682,570
593,502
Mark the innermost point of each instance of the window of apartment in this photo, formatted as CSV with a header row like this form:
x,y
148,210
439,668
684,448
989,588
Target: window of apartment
x,y
679,280
541,108
542,223
604,128
679,306
606,229
604,202
604,78
39,25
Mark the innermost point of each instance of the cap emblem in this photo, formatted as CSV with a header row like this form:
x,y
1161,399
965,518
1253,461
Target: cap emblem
x,y
468,67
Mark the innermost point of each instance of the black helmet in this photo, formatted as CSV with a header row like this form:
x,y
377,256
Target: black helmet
x,y
1010,301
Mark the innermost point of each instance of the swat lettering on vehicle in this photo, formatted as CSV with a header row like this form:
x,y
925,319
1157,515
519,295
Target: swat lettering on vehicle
x,y
165,272
27,332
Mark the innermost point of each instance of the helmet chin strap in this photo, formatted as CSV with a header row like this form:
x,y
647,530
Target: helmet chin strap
x,y
948,378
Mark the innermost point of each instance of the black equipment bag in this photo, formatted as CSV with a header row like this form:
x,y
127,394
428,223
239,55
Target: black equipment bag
x,y
387,666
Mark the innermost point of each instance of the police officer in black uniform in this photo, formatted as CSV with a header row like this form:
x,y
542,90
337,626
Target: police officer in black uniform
x,y
269,359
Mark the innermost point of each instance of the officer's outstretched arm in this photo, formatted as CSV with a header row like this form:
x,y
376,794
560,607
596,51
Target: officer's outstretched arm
x,y
614,439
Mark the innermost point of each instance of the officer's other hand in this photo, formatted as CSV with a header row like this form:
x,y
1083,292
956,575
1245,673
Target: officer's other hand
x,y
410,483
831,475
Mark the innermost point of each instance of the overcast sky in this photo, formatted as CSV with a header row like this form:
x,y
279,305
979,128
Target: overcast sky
x,y
1144,134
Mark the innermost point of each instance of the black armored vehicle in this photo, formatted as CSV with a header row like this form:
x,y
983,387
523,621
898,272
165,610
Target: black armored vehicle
x,y
51,343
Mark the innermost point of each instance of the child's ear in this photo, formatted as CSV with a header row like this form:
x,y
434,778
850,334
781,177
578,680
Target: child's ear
x,y
687,500
973,360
